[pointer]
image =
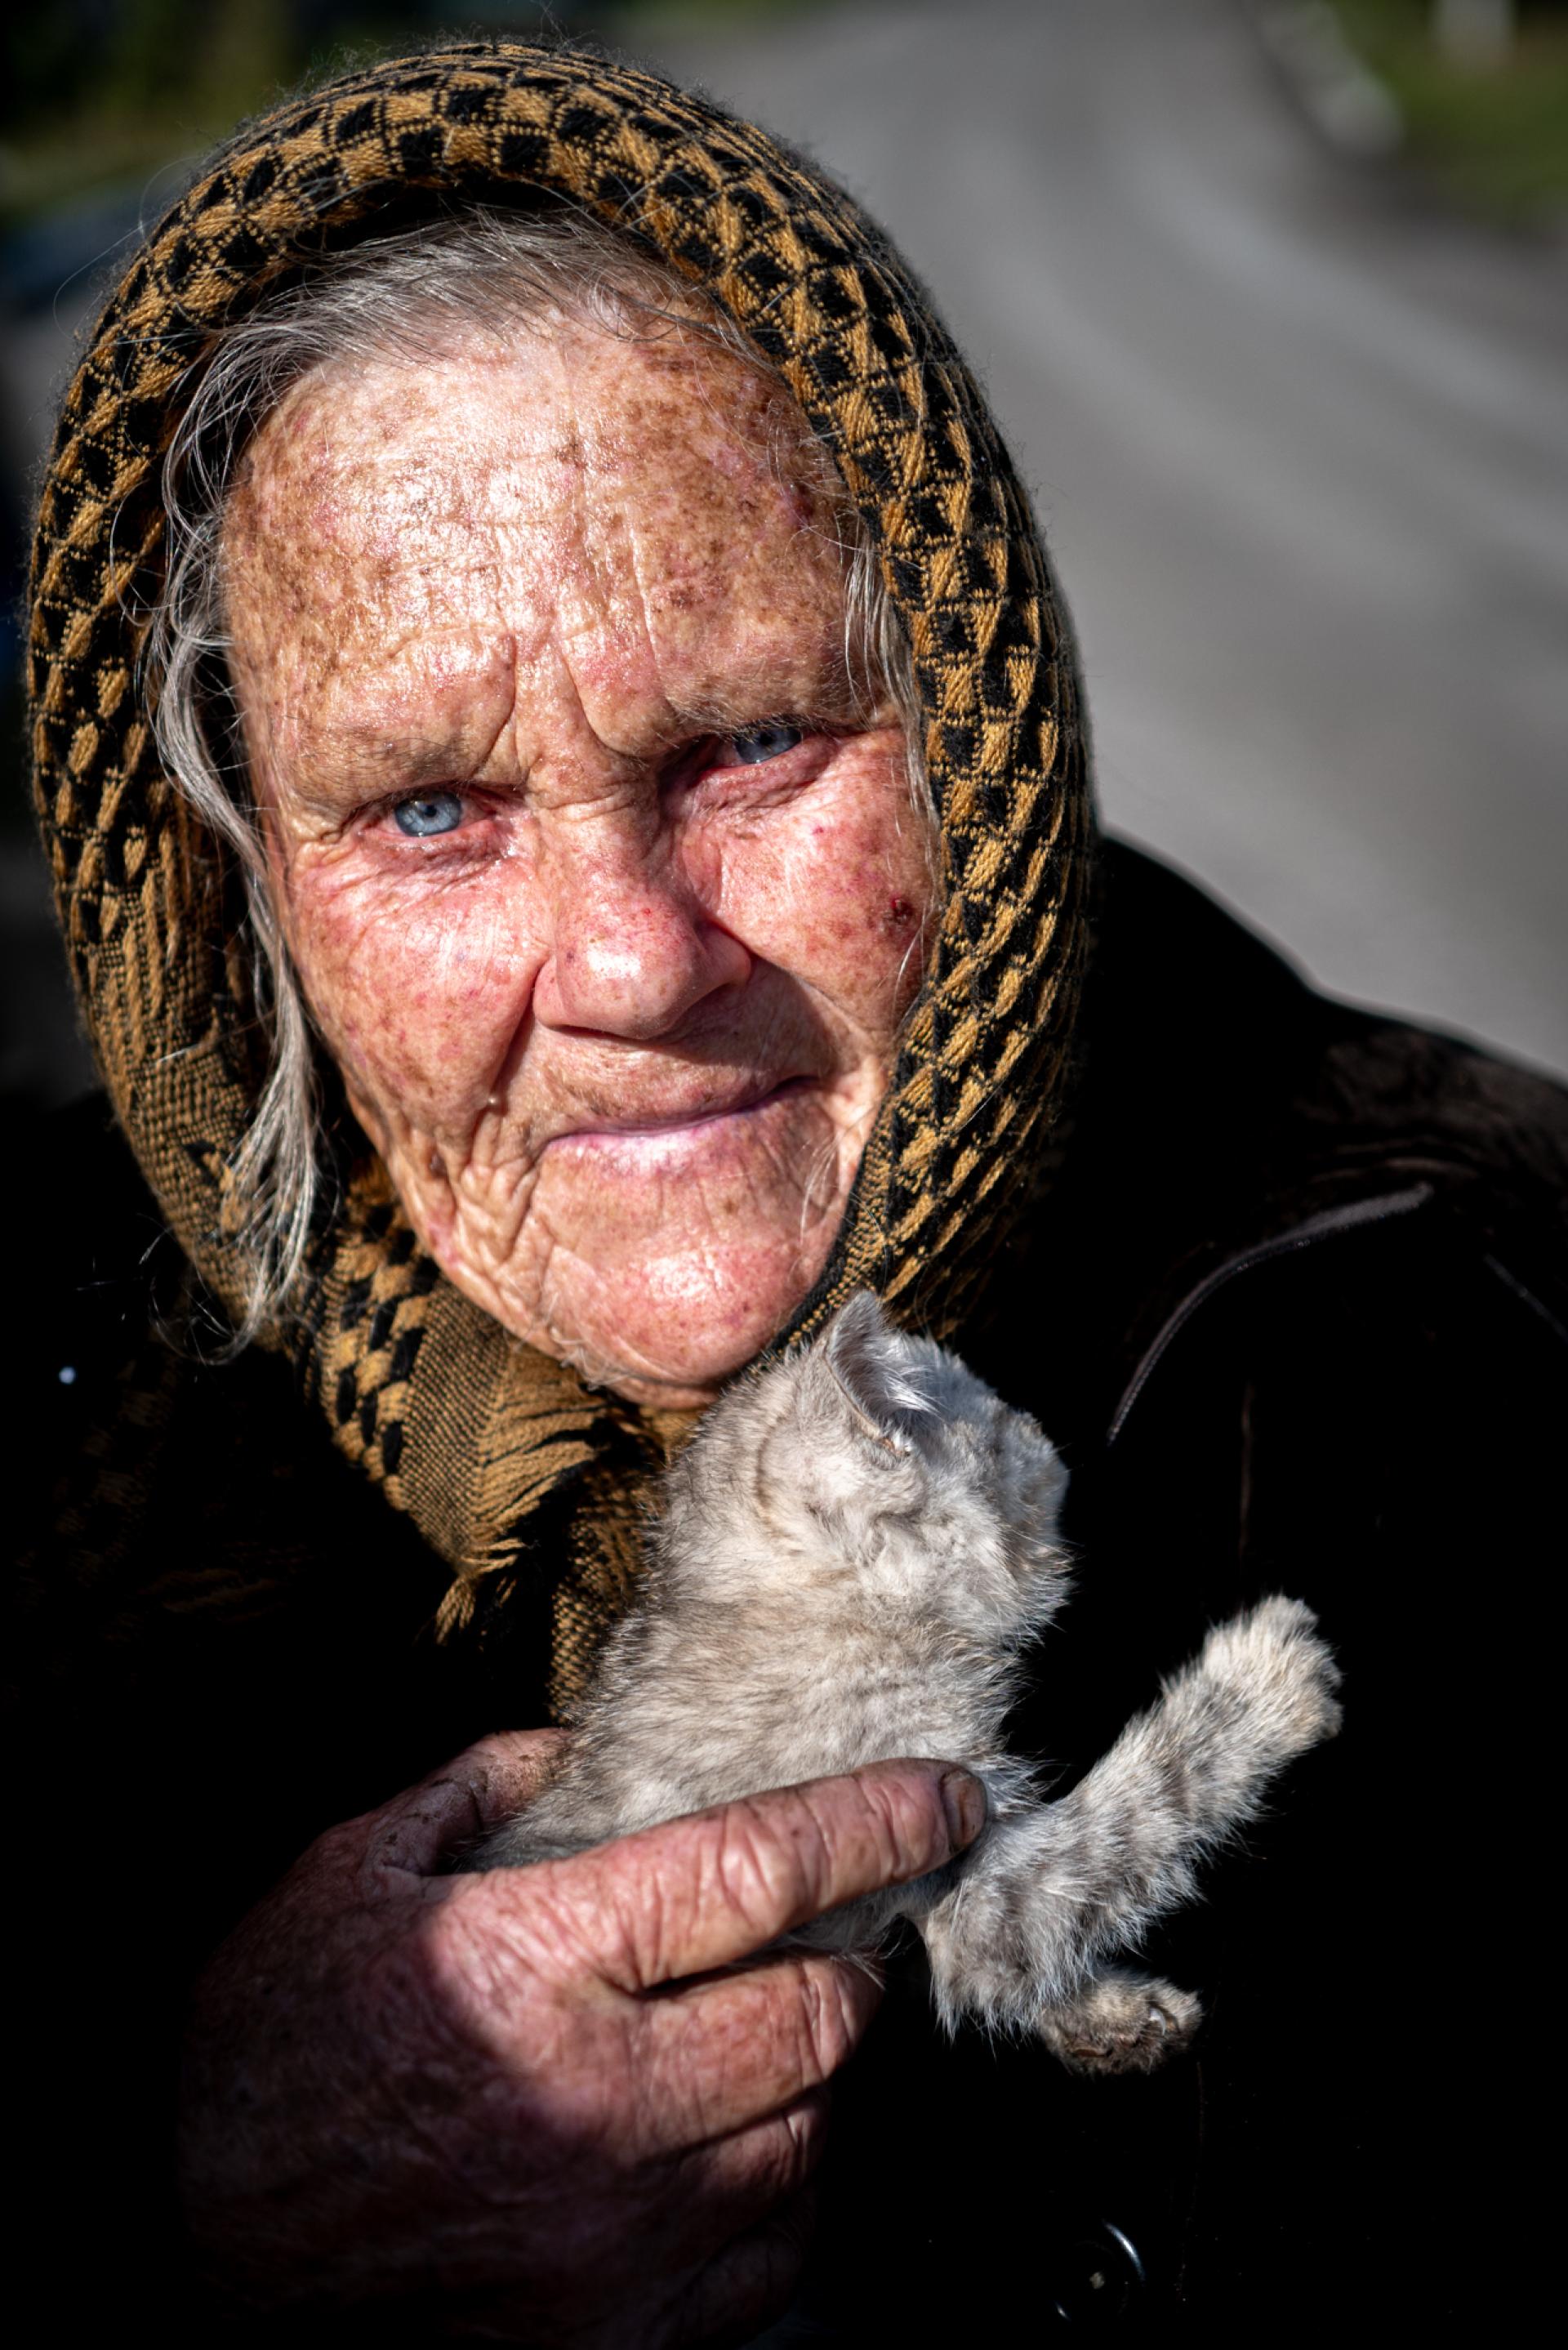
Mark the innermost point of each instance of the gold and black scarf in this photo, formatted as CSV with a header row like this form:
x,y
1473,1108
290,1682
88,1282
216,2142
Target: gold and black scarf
x,y
461,1427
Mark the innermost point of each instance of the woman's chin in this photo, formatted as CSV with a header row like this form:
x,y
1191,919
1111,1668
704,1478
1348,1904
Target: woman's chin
x,y
673,1333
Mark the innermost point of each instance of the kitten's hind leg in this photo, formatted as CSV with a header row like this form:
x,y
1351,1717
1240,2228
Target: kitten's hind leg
x,y
1120,2021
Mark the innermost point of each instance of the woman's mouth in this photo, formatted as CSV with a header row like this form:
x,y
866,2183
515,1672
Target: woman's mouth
x,y
645,1143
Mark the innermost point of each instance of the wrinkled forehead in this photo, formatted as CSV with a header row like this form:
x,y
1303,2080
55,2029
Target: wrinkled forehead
x,y
537,429
656,492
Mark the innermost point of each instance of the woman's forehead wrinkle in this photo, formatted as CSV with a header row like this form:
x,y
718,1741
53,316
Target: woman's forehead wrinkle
x,y
365,581
687,530
458,569
430,708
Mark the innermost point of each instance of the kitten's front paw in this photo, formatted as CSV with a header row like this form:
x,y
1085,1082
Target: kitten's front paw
x,y
1121,2024
1286,1670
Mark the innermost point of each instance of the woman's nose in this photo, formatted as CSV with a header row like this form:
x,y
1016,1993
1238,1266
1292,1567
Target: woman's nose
x,y
631,951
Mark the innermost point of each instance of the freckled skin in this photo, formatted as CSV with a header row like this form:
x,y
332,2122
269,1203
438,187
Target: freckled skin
x,y
619,1035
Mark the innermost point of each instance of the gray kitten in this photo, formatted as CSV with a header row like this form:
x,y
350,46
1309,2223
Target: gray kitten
x,y
856,1550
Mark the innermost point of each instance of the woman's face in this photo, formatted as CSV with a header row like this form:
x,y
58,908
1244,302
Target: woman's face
x,y
606,896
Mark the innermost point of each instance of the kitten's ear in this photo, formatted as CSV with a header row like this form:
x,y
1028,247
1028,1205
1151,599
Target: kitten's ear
x,y
864,1357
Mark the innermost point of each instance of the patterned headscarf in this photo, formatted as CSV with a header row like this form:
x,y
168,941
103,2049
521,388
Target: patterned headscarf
x,y
461,1426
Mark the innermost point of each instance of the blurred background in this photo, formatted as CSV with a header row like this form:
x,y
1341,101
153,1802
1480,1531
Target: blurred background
x,y
1271,298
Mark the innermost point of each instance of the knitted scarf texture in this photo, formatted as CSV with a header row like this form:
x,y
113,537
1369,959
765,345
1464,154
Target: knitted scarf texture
x,y
461,1426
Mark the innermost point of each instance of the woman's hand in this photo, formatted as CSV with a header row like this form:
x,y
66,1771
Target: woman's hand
x,y
523,2101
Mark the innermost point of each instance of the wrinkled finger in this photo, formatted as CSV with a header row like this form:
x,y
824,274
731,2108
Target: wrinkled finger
x,y
748,2285
706,1891
486,1784
728,2052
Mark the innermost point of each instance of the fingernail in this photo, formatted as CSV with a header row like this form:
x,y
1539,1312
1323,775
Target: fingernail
x,y
963,1800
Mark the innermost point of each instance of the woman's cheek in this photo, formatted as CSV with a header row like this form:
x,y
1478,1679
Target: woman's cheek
x,y
839,897
418,983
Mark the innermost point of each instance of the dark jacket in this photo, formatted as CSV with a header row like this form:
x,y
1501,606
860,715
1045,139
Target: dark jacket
x,y
1306,1333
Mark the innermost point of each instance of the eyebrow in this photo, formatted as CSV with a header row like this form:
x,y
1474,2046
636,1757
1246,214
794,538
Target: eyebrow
x,y
332,766
834,699
736,717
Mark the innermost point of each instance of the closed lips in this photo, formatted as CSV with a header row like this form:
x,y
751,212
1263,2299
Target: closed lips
x,y
674,1126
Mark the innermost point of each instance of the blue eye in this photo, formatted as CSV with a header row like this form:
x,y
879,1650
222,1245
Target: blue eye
x,y
760,743
431,812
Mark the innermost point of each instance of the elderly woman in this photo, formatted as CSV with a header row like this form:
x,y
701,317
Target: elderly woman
x,y
564,766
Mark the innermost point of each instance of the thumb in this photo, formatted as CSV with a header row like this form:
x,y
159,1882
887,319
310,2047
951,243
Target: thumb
x,y
708,1890
486,1784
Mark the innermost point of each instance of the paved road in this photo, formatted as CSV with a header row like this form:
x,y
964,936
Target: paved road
x,y
1300,445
